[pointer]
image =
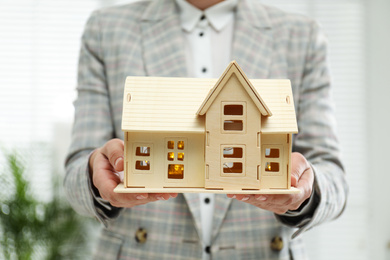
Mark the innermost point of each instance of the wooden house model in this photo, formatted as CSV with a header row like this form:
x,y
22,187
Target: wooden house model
x,y
208,135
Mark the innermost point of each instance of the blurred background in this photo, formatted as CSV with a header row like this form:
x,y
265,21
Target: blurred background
x,y
39,47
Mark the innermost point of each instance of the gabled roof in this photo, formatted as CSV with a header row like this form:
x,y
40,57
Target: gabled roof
x,y
159,104
277,94
233,68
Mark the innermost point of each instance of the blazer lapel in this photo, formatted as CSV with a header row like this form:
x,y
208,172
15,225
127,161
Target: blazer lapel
x,y
162,40
253,39
194,206
221,206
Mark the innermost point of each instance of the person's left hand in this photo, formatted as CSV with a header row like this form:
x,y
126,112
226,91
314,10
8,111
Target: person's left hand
x,y
302,177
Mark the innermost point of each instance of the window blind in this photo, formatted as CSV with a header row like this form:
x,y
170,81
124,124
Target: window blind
x,y
39,48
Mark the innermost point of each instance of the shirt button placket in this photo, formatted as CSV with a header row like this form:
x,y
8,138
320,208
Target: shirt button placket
x,y
204,58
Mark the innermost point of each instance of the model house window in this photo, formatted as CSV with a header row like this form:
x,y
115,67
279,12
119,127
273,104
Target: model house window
x,y
142,157
142,165
233,125
232,152
180,156
233,117
142,151
271,153
171,156
232,160
237,110
272,156
232,167
175,171
175,156
272,167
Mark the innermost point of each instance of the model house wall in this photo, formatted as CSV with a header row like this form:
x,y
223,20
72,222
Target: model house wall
x,y
233,126
230,133
158,160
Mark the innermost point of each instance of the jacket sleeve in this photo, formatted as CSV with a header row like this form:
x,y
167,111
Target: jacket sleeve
x,y
93,126
317,139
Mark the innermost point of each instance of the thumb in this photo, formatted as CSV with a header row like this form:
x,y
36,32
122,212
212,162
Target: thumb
x,y
299,165
113,151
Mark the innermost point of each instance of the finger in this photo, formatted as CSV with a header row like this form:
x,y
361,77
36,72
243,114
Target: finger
x,y
241,197
278,204
276,199
280,211
105,181
173,195
305,183
161,196
261,197
299,165
129,200
294,181
103,176
114,150
164,196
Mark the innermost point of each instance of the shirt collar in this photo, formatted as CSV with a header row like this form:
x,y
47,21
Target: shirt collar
x,y
217,15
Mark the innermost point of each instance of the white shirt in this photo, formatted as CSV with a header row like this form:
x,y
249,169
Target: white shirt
x,y
208,36
208,40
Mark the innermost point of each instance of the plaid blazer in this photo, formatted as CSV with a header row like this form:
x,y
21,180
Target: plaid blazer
x,y
145,38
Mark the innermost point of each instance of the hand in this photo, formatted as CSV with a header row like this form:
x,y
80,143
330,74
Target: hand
x,y
302,177
103,164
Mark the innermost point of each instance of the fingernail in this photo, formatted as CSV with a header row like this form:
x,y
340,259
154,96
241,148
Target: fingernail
x,y
160,198
117,161
262,198
245,198
140,197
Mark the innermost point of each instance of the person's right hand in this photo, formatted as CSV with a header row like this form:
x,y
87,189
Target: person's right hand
x,y
104,163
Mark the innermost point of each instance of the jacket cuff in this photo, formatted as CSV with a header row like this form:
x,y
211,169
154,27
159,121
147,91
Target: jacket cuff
x,y
301,217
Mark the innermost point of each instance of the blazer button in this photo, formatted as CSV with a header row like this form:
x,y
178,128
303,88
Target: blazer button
x,y
277,243
141,235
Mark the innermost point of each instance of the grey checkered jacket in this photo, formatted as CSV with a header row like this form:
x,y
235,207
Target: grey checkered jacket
x,y
145,38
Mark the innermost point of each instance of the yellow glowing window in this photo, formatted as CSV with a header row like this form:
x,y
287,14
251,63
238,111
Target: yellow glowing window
x,y
271,153
171,156
175,171
272,167
180,145
171,144
142,151
180,156
232,167
142,165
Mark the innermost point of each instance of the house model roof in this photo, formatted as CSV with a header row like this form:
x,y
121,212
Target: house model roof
x,y
233,68
162,104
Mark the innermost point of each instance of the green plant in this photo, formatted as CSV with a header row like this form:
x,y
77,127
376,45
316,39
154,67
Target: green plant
x,y
34,229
